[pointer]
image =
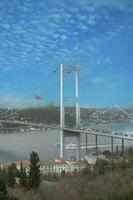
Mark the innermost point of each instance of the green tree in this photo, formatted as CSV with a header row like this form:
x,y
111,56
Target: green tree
x,y
63,174
34,173
3,175
86,170
11,175
23,177
100,166
3,191
123,164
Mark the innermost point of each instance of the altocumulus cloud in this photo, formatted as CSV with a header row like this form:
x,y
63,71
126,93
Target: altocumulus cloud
x,y
36,36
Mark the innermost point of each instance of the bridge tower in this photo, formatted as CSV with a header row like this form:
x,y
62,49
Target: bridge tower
x,y
74,69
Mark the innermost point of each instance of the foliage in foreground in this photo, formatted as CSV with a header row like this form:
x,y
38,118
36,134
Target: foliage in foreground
x,y
105,181
34,173
111,185
3,191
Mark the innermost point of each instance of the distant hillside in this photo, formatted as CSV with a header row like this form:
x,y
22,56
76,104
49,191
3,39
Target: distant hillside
x,y
51,114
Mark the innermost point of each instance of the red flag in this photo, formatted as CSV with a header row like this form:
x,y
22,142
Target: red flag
x,y
37,97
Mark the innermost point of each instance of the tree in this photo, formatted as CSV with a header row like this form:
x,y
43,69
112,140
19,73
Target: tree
x,y
3,174
101,165
63,174
86,170
123,164
3,191
34,173
23,177
11,175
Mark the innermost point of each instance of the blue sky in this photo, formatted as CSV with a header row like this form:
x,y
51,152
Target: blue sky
x,y
36,36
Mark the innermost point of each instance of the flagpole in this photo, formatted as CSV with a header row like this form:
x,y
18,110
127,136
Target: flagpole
x,y
34,102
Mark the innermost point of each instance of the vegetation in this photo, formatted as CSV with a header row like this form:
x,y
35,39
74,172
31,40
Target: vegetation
x,y
34,173
111,185
106,180
49,115
23,178
11,175
3,190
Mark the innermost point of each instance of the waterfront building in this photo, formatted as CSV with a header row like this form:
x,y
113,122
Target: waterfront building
x,y
55,166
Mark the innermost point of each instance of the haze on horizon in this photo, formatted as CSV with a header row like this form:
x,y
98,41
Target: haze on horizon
x,y
37,36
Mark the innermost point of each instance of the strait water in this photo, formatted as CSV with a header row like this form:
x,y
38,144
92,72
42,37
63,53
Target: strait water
x,y
17,146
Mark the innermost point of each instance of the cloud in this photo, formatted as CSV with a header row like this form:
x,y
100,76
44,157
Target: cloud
x,y
120,4
54,26
36,36
82,27
98,80
91,20
81,17
114,84
5,26
63,37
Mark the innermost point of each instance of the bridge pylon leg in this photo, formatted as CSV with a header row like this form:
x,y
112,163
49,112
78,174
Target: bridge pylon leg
x,y
78,112
62,143
96,145
122,148
112,145
86,142
79,146
112,150
62,113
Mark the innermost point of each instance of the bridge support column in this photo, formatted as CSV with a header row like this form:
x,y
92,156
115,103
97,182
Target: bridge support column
x,y
79,146
96,145
122,148
86,144
77,98
62,114
78,112
112,145
112,149
62,149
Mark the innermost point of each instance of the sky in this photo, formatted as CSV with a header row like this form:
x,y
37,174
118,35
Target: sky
x,y
36,36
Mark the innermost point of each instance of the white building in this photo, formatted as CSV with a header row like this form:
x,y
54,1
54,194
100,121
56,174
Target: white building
x,y
61,164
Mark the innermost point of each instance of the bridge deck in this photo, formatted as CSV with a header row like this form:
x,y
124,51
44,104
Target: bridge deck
x,y
98,134
68,130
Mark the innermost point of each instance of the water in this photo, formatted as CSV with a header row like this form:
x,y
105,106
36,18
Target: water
x,y
124,127
120,127
17,146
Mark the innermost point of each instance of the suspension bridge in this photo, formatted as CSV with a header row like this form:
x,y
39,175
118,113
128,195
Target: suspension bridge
x,y
76,131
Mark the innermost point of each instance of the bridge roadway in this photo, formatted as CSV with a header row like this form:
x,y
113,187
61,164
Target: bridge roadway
x,y
68,130
91,132
30,124
97,133
75,132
